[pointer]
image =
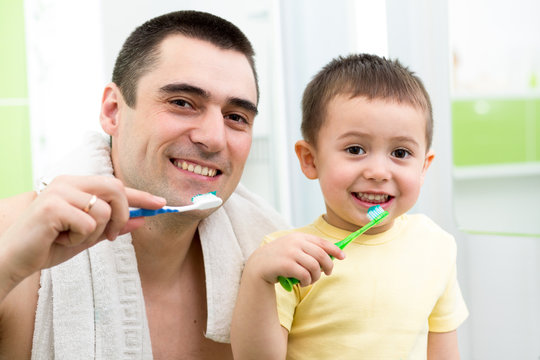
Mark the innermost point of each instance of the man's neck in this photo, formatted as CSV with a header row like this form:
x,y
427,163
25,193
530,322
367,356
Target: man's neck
x,y
162,246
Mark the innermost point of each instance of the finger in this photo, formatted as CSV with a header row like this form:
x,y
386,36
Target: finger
x,y
312,266
73,226
101,213
321,250
142,199
131,225
119,197
330,248
136,198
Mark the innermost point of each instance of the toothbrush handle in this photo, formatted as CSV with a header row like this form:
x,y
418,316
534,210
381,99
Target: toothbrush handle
x,y
287,283
138,212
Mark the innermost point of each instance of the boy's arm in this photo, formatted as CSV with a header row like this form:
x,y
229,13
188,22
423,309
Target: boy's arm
x,y
256,332
443,346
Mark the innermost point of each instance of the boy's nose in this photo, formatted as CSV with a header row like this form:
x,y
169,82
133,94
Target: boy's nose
x,y
377,169
209,132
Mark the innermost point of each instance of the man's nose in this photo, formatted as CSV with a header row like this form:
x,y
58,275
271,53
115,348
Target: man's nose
x,y
209,132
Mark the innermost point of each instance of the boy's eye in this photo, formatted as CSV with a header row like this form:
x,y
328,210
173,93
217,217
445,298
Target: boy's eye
x,y
355,150
400,153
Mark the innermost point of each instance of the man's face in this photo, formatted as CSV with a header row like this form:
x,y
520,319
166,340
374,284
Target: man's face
x,y
191,128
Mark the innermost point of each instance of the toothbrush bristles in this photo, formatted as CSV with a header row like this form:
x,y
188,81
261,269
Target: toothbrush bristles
x,y
206,201
375,211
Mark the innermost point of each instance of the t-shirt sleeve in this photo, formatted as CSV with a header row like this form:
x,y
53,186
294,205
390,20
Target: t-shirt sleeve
x,y
450,310
286,305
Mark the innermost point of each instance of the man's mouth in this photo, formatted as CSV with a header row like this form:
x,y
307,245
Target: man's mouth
x,y
372,197
195,168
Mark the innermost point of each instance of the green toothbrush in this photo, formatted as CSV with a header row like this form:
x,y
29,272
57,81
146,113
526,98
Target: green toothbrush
x,y
375,213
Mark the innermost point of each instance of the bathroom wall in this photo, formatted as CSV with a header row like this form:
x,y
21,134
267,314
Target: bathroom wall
x,y
15,154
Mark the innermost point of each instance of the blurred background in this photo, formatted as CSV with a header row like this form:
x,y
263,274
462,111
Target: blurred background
x,y
479,59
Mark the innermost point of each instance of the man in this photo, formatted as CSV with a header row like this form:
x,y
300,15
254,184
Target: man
x,y
179,113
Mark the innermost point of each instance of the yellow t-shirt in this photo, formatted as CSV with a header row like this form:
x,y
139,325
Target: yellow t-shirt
x,y
382,300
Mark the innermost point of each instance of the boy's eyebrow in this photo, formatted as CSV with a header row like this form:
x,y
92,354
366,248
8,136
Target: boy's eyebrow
x,y
401,138
195,90
406,139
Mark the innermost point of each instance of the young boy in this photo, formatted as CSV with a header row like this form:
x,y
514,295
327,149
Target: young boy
x,y
367,127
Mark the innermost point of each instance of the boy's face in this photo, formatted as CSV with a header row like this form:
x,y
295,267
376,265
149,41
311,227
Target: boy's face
x,y
368,152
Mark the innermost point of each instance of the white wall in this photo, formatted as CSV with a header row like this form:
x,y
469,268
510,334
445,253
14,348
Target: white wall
x,y
499,276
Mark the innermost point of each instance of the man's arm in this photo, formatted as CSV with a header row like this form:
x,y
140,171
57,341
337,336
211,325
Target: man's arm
x,y
40,231
72,214
443,346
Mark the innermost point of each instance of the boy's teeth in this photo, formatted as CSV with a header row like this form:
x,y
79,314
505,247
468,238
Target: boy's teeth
x,y
197,169
376,198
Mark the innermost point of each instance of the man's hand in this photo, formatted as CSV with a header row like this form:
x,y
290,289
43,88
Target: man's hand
x,y
72,214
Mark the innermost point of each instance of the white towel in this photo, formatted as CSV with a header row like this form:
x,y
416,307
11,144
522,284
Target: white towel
x,y
92,306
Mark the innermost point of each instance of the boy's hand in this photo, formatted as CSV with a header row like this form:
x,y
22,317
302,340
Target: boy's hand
x,y
297,255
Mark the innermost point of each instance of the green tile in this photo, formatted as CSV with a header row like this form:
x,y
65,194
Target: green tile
x,y
13,83
15,151
494,131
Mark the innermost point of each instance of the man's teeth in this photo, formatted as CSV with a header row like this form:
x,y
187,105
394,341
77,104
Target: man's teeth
x,y
376,198
197,169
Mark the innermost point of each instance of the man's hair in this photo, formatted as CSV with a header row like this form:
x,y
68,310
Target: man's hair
x,y
365,75
140,51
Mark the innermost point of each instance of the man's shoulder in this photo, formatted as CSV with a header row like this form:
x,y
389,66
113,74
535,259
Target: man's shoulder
x,y
254,207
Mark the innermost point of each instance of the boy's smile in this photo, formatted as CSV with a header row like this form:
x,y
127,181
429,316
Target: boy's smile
x,y
368,152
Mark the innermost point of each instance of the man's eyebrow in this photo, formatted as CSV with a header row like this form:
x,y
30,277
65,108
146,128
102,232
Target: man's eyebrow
x,y
185,88
245,104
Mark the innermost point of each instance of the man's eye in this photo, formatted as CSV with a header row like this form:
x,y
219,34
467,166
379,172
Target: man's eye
x,y
237,118
181,103
401,153
355,150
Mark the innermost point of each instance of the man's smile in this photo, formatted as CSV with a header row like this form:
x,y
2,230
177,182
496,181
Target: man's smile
x,y
195,168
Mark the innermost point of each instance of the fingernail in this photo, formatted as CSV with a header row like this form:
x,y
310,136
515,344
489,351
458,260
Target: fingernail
x,y
159,199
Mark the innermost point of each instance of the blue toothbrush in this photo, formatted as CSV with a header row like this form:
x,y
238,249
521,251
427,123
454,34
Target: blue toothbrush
x,y
375,213
200,202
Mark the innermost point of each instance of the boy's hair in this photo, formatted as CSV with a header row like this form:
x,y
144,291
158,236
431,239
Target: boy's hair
x,y
141,49
364,75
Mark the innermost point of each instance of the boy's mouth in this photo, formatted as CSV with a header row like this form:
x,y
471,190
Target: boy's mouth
x,y
372,197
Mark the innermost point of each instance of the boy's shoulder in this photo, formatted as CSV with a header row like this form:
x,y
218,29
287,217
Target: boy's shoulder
x,y
308,229
422,227
425,222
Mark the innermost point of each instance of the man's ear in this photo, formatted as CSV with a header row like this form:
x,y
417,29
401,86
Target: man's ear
x,y
111,104
306,156
430,155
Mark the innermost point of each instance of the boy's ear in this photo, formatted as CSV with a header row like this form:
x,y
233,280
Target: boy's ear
x,y
110,109
306,157
430,155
